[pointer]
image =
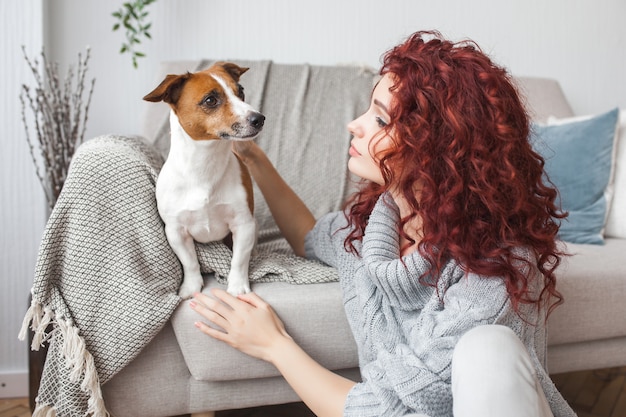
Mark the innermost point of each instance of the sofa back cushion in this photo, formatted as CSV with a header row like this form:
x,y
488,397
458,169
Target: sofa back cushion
x,y
307,108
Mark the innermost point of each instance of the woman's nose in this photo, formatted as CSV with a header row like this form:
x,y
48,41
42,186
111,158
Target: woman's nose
x,y
353,128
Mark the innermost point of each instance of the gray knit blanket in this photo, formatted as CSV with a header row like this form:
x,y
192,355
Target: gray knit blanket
x,y
106,279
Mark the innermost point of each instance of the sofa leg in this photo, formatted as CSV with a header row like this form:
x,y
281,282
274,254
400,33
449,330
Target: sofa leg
x,y
205,414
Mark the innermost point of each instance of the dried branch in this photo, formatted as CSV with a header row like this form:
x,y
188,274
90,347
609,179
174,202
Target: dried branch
x,y
58,117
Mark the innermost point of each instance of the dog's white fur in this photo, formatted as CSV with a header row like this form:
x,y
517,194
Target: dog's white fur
x,y
200,196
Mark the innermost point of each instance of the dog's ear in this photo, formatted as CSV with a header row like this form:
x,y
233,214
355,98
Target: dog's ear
x,y
234,70
169,90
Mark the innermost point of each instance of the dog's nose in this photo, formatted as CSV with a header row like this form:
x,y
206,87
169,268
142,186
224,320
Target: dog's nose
x,y
256,120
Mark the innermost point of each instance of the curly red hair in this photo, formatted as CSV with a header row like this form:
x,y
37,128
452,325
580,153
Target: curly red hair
x,y
460,132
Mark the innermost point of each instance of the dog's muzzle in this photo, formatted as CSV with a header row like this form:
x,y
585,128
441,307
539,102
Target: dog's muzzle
x,y
256,120
252,127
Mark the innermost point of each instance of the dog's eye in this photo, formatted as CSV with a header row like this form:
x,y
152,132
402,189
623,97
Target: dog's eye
x,y
210,101
240,93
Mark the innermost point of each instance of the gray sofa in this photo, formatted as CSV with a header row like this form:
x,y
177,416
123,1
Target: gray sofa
x,y
182,371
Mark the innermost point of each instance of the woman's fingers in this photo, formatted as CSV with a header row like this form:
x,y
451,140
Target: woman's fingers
x,y
207,309
223,296
222,309
241,302
210,331
244,149
253,299
246,322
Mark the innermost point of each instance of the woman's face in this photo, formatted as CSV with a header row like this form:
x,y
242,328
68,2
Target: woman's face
x,y
369,138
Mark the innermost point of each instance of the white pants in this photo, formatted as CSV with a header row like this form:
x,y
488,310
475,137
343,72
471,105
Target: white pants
x,y
492,375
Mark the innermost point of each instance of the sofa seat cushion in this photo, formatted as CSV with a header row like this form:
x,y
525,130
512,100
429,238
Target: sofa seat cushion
x,y
313,315
593,284
592,281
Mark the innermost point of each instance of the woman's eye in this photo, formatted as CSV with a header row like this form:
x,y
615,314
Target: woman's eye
x,y
380,121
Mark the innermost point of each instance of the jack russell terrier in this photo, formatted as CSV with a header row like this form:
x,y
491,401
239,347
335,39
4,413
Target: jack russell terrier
x,y
204,191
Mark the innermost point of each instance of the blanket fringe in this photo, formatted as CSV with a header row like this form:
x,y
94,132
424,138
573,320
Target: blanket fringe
x,y
81,364
77,358
95,405
44,410
73,349
40,318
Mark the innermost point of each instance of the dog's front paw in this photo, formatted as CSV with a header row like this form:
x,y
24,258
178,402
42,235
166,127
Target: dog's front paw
x,y
237,288
189,287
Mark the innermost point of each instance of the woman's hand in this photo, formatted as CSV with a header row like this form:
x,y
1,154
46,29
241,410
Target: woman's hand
x,y
249,324
245,150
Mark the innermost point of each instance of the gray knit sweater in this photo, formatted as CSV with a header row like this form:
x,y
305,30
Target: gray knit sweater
x,y
405,331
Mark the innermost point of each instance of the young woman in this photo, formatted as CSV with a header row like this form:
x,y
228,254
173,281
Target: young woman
x,y
446,254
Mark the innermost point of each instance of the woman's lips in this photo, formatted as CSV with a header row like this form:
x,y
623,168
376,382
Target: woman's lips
x,y
353,151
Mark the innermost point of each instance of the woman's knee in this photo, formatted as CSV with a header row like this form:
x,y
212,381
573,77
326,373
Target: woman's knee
x,y
491,354
493,374
487,342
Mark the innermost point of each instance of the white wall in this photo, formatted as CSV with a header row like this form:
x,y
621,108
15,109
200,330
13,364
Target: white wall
x,y
579,42
22,205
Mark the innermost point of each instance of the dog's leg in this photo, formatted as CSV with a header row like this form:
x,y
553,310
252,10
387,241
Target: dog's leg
x,y
244,236
184,247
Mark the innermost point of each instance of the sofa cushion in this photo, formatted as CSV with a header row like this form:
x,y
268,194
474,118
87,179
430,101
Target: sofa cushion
x,y
616,192
593,286
313,315
579,160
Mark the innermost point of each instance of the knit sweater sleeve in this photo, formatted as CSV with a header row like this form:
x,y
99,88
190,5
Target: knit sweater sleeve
x,y
325,241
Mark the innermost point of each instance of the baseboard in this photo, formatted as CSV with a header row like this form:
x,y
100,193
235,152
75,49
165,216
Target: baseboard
x,y
14,385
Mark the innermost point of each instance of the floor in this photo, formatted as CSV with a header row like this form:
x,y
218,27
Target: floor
x,y
600,393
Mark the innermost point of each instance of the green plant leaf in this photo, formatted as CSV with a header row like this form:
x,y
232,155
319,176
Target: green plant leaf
x,y
131,16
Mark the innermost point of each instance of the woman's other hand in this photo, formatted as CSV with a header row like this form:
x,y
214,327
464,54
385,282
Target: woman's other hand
x,y
245,150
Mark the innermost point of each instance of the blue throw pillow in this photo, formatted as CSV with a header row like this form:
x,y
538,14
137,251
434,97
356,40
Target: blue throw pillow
x,y
578,162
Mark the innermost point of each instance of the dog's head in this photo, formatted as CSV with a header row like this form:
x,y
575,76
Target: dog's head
x,y
210,104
